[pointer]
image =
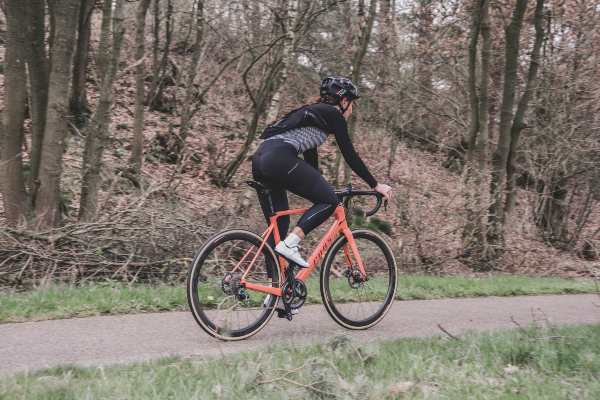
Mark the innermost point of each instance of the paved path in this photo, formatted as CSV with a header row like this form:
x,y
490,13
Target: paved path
x,y
122,339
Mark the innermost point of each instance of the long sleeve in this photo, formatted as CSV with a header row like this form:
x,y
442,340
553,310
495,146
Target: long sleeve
x,y
352,158
330,119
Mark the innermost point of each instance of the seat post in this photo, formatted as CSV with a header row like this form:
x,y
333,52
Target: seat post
x,y
271,207
263,191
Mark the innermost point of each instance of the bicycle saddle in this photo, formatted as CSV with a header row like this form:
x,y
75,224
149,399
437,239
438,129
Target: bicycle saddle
x,y
259,187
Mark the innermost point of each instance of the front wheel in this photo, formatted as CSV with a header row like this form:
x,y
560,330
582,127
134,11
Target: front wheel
x,y
351,300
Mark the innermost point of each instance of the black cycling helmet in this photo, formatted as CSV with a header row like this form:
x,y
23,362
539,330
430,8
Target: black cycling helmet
x,y
334,88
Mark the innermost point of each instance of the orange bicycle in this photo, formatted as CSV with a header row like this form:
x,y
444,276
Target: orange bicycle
x,y
236,280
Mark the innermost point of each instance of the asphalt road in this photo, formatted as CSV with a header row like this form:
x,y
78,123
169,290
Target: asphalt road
x,y
107,340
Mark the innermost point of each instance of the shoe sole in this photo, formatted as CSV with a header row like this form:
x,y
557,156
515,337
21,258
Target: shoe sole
x,y
290,260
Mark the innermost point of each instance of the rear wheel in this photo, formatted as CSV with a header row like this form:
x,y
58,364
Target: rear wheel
x,y
220,304
351,300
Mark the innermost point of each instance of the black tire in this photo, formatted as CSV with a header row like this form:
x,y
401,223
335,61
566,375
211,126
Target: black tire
x,y
210,298
359,305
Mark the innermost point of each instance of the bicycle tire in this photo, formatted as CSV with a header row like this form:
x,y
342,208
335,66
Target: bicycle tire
x,y
381,269
206,277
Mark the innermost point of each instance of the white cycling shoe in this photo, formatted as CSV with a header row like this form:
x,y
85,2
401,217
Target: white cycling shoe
x,y
291,253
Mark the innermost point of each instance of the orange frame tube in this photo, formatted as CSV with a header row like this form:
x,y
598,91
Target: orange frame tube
x,y
340,226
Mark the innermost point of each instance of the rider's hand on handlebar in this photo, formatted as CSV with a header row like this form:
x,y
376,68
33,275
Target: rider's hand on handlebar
x,y
385,190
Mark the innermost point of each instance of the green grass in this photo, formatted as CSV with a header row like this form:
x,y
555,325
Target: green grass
x,y
534,363
61,301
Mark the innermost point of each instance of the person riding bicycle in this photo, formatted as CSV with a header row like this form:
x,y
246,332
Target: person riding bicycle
x,y
276,162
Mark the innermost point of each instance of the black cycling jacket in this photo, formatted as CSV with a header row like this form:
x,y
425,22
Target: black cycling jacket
x,y
329,119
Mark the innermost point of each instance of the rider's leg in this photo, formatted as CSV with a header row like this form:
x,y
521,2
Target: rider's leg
x,y
277,163
307,182
280,202
270,158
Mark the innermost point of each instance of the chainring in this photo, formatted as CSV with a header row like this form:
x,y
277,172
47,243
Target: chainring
x,y
294,293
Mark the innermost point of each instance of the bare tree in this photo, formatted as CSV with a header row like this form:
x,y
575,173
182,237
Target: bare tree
x,y
37,67
137,143
475,230
518,123
47,201
160,66
495,232
13,181
78,103
97,135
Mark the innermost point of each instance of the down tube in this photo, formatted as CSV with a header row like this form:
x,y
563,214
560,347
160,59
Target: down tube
x,y
331,235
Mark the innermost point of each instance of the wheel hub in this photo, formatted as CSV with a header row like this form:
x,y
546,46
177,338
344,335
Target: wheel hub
x,y
355,278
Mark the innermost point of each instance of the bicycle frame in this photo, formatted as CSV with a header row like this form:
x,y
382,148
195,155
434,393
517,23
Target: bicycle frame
x,y
339,227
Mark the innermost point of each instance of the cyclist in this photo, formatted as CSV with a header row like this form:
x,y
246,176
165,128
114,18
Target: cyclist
x,y
276,164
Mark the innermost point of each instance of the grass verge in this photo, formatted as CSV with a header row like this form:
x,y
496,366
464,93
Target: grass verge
x,y
532,363
61,301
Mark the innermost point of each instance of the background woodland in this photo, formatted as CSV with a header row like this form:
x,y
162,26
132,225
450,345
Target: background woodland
x,y
128,126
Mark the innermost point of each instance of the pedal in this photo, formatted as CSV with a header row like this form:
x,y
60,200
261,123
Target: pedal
x,y
284,314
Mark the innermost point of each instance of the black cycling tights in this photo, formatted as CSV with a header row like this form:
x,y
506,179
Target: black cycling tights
x,y
277,165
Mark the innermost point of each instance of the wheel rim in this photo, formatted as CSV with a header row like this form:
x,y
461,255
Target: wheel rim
x,y
352,302
222,306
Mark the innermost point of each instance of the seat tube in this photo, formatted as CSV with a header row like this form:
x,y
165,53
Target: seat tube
x,y
277,239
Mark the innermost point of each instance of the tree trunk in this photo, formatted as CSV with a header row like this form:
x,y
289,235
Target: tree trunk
x,y
551,215
78,103
385,80
472,78
518,124
47,201
51,29
137,144
103,59
98,132
500,156
15,89
481,144
37,66
474,231
155,40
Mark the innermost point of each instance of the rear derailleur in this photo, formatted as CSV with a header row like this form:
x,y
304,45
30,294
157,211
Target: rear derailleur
x,y
231,285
